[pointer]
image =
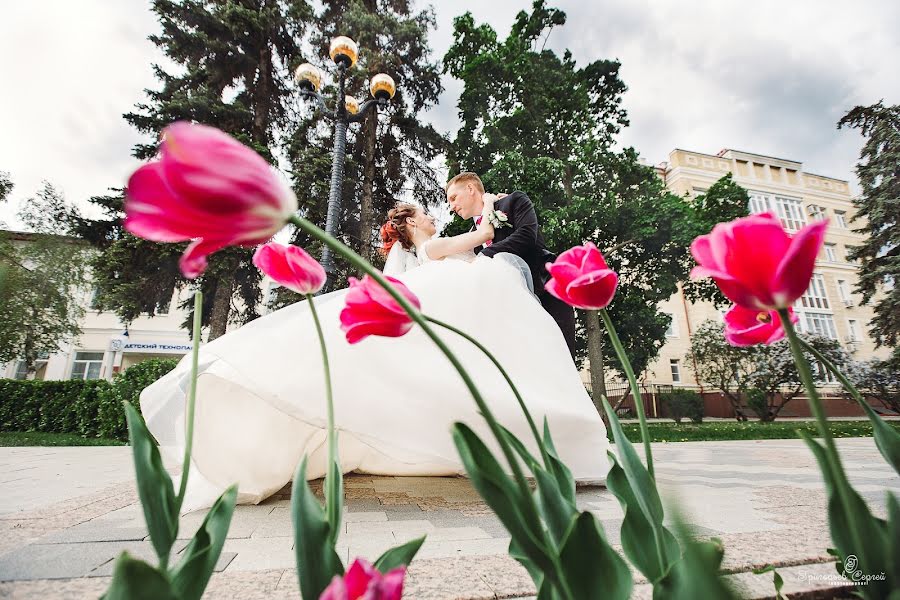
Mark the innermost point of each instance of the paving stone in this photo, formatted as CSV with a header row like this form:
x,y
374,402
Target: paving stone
x,y
364,517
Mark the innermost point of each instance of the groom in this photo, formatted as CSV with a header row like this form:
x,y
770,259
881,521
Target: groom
x,y
523,238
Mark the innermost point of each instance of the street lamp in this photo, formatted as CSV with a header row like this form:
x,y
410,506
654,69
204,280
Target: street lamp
x,y
347,109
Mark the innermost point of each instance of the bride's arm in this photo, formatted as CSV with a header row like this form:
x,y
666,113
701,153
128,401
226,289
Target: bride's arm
x,y
442,247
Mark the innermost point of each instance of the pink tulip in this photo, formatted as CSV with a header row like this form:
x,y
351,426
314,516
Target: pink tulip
x,y
581,278
756,263
207,187
362,581
290,266
747,327
370,310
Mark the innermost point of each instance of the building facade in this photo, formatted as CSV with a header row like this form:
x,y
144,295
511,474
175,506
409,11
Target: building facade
x,y
829,308
107,346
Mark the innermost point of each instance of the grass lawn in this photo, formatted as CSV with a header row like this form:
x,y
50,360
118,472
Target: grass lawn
x,y
33,438
749,430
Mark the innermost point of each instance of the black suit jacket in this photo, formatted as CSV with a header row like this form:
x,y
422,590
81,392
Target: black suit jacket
x,y
523,238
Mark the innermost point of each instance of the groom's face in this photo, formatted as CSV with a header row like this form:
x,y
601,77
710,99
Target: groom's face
x,y
464,199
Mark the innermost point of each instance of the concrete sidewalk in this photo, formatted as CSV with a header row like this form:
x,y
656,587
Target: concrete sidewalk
x,y
66,513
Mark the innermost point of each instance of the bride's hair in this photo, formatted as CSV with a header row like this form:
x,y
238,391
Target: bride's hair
x,y
395,229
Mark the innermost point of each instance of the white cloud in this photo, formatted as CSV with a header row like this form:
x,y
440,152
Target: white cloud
x,y
767,77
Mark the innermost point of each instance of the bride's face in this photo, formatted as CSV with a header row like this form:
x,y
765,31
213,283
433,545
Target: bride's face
x,y
424,222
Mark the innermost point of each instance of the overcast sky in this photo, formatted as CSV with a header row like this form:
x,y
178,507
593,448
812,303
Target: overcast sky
x,y
769,77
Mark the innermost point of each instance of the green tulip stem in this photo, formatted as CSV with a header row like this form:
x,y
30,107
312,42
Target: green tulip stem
x,y
632,380
192,396
414,314
332,505
534,430
842,484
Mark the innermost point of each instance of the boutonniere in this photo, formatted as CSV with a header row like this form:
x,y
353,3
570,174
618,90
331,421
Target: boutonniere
x,y
499,219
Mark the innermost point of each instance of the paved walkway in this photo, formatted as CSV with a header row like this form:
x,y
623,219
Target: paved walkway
x,y
65,513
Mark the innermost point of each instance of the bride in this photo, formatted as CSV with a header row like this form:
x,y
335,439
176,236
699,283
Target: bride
x,y
261,395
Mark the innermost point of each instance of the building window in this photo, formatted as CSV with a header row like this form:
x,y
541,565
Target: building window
x,y
759,203
821,324
840,218
675,365
844,292
830,253
39,364
815,296
672,331
816,212
789,210
95,299
87,365
853,330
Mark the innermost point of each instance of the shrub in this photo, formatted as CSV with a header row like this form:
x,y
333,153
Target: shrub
x,y
90,408
127,387
683,403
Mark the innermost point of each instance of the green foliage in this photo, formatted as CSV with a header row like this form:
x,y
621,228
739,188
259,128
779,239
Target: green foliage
x,y
770,369
879,208
724,201
6,186
92,408
43,296
535,121
233,62
126,388
51,406
683,403
747,430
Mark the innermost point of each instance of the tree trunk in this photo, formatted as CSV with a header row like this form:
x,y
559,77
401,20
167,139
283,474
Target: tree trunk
x,y
221,308
263,96
595,357
367,202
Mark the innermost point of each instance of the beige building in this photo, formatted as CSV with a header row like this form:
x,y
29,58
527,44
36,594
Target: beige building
x,y
829,307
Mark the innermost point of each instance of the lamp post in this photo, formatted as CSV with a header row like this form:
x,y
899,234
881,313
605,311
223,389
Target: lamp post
x,y
347,109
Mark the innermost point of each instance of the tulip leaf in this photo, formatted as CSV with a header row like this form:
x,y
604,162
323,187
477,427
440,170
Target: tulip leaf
x,y
530,461
853,521
562,473
134,579
556,510
590,564
317,561
644,538
500,493
887,439
697,573
154,485
399,556
637,534
191,575
334,499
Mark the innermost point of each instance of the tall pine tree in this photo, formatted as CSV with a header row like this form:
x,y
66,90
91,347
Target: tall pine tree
x,y
234,59
879,204
388,153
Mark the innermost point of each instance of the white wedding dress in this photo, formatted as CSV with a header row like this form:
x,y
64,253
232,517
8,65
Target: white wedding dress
x,y
261,394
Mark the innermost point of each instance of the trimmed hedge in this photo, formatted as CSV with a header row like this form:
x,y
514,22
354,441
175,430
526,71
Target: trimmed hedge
x,y
89,408
683,403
